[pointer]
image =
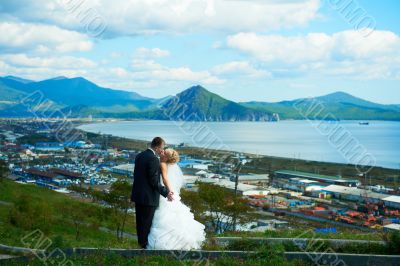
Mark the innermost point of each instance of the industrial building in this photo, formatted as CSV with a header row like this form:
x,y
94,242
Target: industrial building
x,y
392,201
356,194
321,179
228,184
124,169
300,184
253,179
353,194
195,164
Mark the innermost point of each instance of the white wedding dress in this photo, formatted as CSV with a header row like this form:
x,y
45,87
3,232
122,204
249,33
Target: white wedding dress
x,y
174,226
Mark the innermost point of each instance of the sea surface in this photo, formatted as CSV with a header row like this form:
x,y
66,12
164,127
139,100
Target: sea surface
x,y
340,141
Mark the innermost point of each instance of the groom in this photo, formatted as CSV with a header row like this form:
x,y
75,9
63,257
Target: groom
x,y
147,188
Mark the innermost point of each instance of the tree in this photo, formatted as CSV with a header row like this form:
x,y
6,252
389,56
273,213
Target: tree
x,y
223,207
75,212
119,202
393,242
3,170
195,203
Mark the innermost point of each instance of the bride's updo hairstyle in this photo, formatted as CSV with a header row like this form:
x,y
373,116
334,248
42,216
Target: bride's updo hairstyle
x,y
172,156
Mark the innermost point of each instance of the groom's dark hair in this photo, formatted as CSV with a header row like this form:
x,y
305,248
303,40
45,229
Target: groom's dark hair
x,y
157,142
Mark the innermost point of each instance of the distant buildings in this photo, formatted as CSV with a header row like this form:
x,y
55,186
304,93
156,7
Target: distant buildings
x,y
253,179
286,175
391,227
352,193
228,184
273,224
50,174
392,201
195,164
359,195
49,146
124,169
59,146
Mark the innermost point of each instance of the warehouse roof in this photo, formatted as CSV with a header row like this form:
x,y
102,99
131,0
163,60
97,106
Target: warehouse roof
x,y
354,191
311,175
392,226
392,199
253,177
126,167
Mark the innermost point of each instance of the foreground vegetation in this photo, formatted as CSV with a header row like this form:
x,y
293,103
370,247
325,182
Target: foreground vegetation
x,y
346,233
271,255
68,222
391,246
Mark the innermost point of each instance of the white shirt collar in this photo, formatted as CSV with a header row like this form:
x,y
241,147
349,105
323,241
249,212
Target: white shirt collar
x,y
153,151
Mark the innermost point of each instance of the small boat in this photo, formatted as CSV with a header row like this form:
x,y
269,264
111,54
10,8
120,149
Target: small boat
x,y
364,123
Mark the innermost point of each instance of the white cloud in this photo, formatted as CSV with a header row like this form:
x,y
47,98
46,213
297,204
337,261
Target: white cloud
x,y
146,65
23,60
380,68
151,70
315,46
354,45
38,68
242,68
346,52
143,52
115,55
151,16
41,38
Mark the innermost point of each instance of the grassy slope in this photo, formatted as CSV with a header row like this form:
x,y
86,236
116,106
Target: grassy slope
x,y
266,258
90,236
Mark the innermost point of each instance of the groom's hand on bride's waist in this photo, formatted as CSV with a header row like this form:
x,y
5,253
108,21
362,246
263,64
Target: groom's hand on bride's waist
x,y
170,196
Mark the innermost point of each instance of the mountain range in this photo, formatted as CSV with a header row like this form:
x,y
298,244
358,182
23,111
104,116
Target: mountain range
x,y
79,97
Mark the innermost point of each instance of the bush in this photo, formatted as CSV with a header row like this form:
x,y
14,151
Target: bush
x,y
370,248
58,242
271,254
393,242
30,214
243,244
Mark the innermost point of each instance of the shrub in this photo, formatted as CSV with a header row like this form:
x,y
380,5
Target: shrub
x,y
29,214
393,242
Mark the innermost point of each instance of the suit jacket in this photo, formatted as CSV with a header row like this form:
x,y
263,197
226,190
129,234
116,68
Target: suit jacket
x,y
146,180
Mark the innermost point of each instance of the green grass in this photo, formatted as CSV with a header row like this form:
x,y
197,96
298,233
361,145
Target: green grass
x,y
273,257
320,246
308,233
60,227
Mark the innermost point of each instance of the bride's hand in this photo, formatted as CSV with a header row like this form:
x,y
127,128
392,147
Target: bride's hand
x,y
170,194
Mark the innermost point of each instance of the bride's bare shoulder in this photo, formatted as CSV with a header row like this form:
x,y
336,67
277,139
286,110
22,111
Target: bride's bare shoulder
x,y
163,165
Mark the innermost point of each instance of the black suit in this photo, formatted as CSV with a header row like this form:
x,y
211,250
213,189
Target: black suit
x,y
146,192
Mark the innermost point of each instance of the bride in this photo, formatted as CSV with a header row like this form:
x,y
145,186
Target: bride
x,y
174,226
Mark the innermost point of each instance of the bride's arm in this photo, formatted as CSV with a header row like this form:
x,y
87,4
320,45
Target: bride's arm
x,y
164,175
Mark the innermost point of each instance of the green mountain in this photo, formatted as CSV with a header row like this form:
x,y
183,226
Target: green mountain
x,y
78,97
18,79
338,105
198,104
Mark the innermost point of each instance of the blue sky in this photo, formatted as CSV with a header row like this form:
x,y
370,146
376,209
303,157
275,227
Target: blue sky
x,y
243,50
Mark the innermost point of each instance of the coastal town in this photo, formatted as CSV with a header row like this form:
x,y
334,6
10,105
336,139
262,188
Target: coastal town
x,y
35,153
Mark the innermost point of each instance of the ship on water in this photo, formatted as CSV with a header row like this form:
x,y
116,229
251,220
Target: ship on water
x,y
364,123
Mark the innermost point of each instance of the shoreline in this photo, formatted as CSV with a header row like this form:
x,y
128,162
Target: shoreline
x,y
111,119
250,154
262,164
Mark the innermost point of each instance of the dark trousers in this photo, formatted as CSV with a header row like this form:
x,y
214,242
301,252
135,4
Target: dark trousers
x,y
144,219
